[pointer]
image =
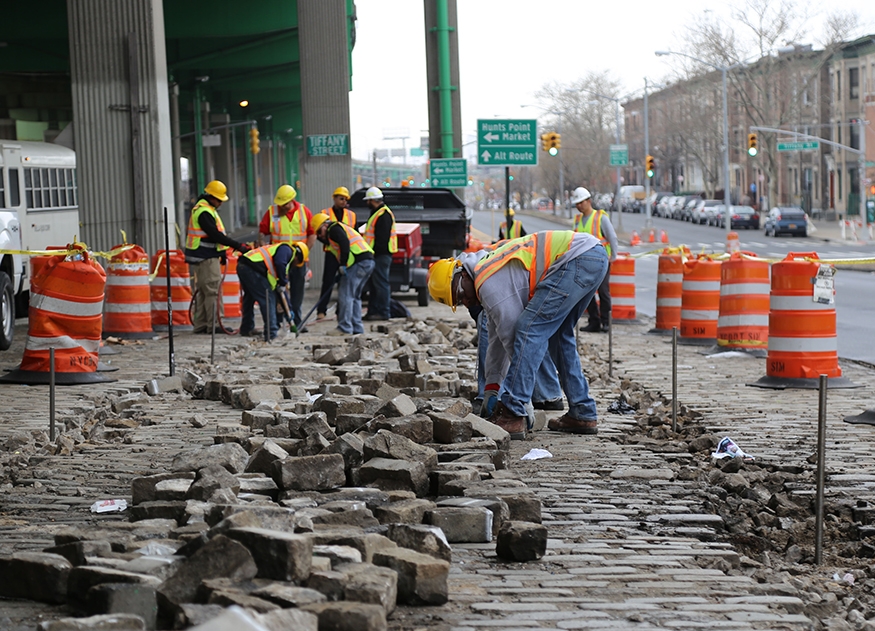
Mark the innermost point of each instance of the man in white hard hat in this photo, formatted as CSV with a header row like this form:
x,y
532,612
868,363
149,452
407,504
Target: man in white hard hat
x,y
379,233
598,224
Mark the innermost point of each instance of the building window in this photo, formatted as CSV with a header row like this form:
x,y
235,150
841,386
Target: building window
x,y
2,189
838,91
854,83
839,180
46,188
854,136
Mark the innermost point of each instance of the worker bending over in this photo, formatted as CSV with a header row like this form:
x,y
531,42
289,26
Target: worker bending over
x,y
263,272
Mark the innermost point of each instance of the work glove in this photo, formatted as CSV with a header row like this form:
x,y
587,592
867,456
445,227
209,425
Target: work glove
x,y
490,399
243,249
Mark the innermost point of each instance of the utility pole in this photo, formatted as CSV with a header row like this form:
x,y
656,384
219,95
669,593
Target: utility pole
x,y
648,223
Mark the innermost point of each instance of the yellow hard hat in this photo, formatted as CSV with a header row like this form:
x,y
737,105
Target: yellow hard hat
x,y
440,281
510,212
217,189
304,250
341,190
284,194
317,221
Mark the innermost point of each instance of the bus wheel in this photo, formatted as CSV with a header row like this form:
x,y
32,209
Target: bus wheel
x,y
7,311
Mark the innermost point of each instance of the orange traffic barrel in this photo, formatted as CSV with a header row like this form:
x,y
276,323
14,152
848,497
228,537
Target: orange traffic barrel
x,y
231,288
65,314
622,285
180,291
743,323
700,301
732,244
669,289
802,325
126,311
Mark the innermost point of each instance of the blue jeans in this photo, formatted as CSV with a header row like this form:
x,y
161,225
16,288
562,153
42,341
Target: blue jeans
x,y
349,296
547,324
381,291
256,289
297,277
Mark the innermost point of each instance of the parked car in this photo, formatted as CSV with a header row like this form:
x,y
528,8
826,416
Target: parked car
x,y
786,220
656,199
701,210
744,217
663,206
716,217
689,204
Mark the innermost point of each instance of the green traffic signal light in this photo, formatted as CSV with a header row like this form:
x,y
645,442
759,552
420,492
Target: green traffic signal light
x,y
553,151
649,172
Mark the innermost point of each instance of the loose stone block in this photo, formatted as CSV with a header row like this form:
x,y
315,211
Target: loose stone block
x,y
209,480
276,431
499,508
171,490
314,424
159,510
347,423
349,616
482,427
144,489
395,474
441,477
122,598
237,597
366,543
419,428
83,578
402,405
521,541
422,579
401,379
221,557
470,524
113,622
229,455
338,555
289,620
368,583
251,396
386,444
330,583
352,448
422,538
310,473
38,576
75,553
336,405
404,511
287,596
281,556
449,429
258,419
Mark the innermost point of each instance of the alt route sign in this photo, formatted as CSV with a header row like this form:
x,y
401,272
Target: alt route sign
x,y
510,142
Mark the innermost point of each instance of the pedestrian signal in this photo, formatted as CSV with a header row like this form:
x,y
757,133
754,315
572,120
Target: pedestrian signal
x,y
752,144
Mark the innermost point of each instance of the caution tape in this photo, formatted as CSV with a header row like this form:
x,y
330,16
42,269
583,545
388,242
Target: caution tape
x,y
157,267
685,253
751,343
78,248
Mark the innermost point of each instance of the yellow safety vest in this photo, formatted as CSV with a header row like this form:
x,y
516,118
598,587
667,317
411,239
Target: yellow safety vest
x,y
357,244
265,253
348,216
515,230
285,230
537,252
593,228
370,235
194,237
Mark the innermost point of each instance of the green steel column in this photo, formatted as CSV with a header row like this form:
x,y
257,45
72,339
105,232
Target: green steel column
x,y
250,185
198,139
288,149
444,87
274,147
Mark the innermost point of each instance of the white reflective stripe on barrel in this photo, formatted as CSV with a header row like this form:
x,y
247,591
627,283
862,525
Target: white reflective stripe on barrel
x,y
803,344
743,320
65,307
736,289
698,314
127,307
63,341
127,281
623,302
668,302
622,280
669,278
701,285
128,267
178,305
797,303
174,280
231,278
231,300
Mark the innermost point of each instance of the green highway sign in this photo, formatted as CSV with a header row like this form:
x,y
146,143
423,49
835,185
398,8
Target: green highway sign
x,y
507,142
798,146
619,155
327,145
448,172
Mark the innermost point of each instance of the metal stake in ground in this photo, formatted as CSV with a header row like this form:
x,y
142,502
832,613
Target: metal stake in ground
x,y
821,462
674,379
267,315
610,346
306,318
169,297
52,393
213,334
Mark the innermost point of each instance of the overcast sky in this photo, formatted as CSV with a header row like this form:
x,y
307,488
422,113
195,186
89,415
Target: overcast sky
x,y
509,49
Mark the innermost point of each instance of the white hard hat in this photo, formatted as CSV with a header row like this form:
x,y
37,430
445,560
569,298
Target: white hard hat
x,y
580,194
374,193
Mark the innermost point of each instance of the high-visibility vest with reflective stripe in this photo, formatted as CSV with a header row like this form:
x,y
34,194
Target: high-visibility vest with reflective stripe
x,y
370,235
285,230
537,252
357,244
593,228
195,236
265,254
348,217
516,230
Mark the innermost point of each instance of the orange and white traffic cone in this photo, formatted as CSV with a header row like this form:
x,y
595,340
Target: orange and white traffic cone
x,y
732,244
652,237
636,240
663,236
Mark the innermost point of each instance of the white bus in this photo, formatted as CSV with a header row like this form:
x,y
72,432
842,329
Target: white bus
x,y
39,207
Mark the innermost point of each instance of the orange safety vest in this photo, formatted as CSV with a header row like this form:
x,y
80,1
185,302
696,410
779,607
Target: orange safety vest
x,y
265,253
194,235
285,230
370,235
515,230
357,244
593,228
348,216
537,252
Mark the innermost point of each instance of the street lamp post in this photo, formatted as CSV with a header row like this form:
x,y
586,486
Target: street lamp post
x,y
648,223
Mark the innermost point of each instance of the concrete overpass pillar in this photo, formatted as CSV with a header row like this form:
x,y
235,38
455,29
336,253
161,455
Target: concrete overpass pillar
x,y
323,29
121,115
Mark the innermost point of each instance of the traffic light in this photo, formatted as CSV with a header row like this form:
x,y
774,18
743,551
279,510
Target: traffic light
x,y
545,142
254,145
651,166
555,143
752,144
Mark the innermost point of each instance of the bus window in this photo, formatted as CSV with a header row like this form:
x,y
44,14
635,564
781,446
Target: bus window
x,y
2,189
14,191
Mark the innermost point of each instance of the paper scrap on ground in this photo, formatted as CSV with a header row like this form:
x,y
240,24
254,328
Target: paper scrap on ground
x,y
727,355
537,454
109,506
727,448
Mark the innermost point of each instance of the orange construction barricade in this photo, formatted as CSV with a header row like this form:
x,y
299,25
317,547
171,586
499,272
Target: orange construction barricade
x,y
231,288
180,291
732,244
743,323
622,286
669,289
700,301
126,311
802,325
65,314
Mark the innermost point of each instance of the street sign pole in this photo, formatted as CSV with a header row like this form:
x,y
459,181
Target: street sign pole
x,y
507,216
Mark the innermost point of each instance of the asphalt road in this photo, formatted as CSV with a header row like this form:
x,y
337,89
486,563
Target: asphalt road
x,y
855,290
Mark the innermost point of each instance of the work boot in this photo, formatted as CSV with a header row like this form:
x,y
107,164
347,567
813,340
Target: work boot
x,y
606,327
509,422
553,404
592,327
567,423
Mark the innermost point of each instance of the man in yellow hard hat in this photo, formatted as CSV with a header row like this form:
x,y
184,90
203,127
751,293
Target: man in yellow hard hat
x,y
288,221
355,260
340,212
516,228
379,232
263,272
533,290
205,246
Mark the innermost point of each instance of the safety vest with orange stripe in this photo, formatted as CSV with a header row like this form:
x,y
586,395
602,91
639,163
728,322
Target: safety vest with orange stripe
x,y
194,238
347,217
357,244
537,252
516,230
370,229
593,225
285,230
264,254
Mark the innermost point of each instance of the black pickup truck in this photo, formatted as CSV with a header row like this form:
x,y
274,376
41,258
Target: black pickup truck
x,y
443,218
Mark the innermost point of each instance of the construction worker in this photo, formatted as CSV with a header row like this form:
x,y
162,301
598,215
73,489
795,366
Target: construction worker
x,y
263,272
205,246
355,260
516,228
288,221
339,211
380,235
598,224
533,290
